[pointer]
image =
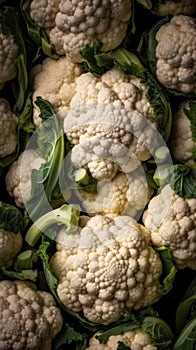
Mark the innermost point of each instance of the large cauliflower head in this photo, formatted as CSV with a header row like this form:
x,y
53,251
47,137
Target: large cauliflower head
x,y
106,268
8,129
18,177
8,58
175,54
10,246
70,25
54,81
171,221
29,318
109,121
182,142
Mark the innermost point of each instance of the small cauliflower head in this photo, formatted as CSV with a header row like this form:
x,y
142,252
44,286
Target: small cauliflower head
x,y
54,81
135,339
106,268
29,318
109,123
125,194
71,25
175,54
171,221
181,138
174,8
8,129
18,177
8,58
10,246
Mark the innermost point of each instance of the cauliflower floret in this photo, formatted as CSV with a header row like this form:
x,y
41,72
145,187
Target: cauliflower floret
x,y
54,81
171,220
70,25
29,318
172,7
8,58
8,129
109,121
126,194
106,268
135,340
181,138
176,65
10,246
18,177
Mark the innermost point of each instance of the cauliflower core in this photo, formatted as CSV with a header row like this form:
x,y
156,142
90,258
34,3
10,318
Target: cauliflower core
x,y
18,177
29,318
171,220
106,268
8,129
175,54
71,25
10,246
135,340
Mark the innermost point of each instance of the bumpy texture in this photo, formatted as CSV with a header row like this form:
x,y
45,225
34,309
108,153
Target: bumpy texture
x,y
29,318
135,340
10,246
109,121
175,54
8,58
182,7
8,129
126,194
18,177
54,81
182,144
70,25
106,268
171,221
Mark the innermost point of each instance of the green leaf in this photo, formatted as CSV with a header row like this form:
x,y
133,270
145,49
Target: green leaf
x,y
187,338
187,307
22,275
183,180
169,269
122,346
11,219
69,336
162,336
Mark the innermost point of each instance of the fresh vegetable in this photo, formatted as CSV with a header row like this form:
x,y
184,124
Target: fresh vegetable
x,y
29,318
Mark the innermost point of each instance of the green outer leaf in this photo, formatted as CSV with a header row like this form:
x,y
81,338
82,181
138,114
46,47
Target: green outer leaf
x,y
11,219
187,338
162,336
169,269
23,275
122,346
68,335
191,115
119,329
183,180
186,307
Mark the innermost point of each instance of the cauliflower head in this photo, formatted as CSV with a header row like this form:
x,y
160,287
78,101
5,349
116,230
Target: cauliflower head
x,y
106,268
135,339
18,177
71,25
8,58
171,221
10,246
29,318
54,80
181,138
8,129
125,194
174,8
175,54
109,121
